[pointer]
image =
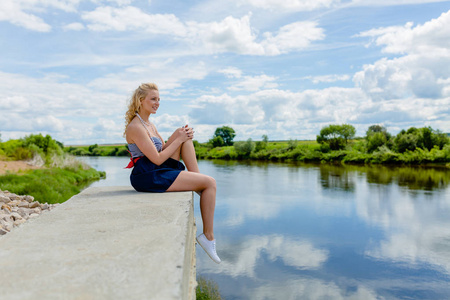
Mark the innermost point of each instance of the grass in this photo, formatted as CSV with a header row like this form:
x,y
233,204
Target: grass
x,y
207,290
54,185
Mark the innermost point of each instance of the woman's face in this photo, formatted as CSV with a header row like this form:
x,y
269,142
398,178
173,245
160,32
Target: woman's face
x,y
151,101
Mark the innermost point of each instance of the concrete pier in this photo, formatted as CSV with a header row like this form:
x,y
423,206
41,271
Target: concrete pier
x,y
104,243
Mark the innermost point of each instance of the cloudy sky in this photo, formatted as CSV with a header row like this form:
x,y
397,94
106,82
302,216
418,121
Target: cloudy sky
x,y
280,68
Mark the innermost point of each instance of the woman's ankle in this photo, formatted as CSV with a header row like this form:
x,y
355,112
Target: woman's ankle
x,y
209,236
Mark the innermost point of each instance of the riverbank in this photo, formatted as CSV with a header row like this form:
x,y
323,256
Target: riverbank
x,y
301,151
16,166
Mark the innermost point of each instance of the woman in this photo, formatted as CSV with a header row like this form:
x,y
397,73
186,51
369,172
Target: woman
x,y
156,164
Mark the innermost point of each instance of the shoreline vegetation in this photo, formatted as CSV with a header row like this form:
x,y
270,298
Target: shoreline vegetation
x,y
56,175
334,144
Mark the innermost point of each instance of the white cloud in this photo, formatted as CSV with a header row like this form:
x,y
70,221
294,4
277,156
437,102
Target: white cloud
x,y
170,74
231,72
24,13
291,5
391,2
254,83
421,72
328,78
74,26
51,105
292,37
433,37
13,12
280,113
132,18
228,35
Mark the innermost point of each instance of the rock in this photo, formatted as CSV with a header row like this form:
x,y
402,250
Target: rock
x,y
23,212
34,204
14,197
16,216
3,231
4,199
14,203
5,206
36,210
29,198
23,204
5,217
18,222
33,215
8,226
44,206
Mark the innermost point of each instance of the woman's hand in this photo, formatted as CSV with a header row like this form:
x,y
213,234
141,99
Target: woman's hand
x,y
184,133
189,131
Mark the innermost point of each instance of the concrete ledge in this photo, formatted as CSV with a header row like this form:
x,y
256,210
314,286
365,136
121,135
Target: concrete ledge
x,y
104,243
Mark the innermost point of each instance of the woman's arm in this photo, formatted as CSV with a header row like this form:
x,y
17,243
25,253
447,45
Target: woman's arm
x,y
140,137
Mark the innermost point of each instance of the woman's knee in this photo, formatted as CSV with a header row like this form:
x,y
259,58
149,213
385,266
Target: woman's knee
x,y
211,183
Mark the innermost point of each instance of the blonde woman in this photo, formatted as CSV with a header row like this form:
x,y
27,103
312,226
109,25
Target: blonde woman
x,y
156,164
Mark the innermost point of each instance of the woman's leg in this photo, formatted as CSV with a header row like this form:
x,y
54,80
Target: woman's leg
x,y
187,152
191,181
189,157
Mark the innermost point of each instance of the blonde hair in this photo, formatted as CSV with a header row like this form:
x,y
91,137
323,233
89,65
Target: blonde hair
x,y
134,106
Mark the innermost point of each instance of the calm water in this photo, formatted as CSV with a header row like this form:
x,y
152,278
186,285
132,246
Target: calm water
x,y
323,232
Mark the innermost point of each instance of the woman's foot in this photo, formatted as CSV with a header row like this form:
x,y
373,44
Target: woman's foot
x,y
209,247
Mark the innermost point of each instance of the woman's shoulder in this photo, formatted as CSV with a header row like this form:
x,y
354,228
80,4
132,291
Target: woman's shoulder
x,y
134,124
133,129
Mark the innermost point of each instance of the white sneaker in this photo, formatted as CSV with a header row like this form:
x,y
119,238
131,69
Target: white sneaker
x,y
209,247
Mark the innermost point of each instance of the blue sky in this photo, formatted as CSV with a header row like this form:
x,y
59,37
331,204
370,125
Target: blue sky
x,y
284,69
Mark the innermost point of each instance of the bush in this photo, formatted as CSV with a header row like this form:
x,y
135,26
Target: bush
x,y
244,149
405,141
216,141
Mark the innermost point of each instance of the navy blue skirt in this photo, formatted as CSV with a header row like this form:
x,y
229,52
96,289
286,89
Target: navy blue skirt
x,y
148,177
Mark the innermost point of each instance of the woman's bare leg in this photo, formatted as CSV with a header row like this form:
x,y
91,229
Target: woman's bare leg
x,y
189,157
191,181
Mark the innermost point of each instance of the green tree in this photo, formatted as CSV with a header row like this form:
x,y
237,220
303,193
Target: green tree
x,y
45,144
336,136
377,136
226,133
92,147
406,140
348,132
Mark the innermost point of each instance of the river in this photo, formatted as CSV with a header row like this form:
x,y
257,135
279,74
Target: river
x,y
319,231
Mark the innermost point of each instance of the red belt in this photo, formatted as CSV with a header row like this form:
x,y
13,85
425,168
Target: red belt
x,y
132,161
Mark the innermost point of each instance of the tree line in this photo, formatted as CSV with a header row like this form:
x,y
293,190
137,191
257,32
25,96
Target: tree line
x,y
337,142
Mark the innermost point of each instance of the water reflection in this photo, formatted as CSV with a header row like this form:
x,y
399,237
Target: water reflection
x,y
241,258
318,231
336,177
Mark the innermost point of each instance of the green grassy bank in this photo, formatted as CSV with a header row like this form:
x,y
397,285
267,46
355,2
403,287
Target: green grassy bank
x,y
311,151
54,185
60,177
305,151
